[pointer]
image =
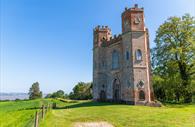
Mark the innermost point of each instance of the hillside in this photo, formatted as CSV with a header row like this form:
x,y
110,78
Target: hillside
x,y
70,113
122,115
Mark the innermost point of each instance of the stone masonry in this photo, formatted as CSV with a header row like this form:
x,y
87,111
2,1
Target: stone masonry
x,y
121,64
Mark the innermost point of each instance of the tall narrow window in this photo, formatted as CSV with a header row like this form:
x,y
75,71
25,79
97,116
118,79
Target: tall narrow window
x,y
127,55
115,59
138,54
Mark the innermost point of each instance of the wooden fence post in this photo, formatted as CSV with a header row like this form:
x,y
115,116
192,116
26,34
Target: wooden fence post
x,y
36,119
54,105
43,110
47,107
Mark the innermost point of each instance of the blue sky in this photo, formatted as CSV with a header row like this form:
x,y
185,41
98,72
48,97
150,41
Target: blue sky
x,y
50,41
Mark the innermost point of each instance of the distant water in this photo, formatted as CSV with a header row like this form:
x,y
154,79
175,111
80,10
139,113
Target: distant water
x,y
13,96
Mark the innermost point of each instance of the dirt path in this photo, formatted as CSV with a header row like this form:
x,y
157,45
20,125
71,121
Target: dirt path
x,y
93,124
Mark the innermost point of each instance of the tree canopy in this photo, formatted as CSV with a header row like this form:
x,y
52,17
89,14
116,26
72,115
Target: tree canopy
x,y
173,58
34,91
58,94
81,91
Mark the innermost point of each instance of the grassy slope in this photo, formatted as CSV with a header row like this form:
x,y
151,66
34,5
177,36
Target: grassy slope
x,y
18,113
122,115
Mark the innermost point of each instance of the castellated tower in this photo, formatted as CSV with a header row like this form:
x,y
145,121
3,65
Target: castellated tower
x,y
121,64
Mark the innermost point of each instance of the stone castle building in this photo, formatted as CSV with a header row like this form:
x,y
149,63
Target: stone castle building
x,y
121,64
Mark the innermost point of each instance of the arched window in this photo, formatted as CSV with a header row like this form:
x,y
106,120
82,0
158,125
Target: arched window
x,y
138,54
141,95
127,55
115,60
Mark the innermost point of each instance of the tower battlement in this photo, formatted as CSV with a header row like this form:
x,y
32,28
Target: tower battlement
x,y
101,34
112,40
115,39
135,8
101,28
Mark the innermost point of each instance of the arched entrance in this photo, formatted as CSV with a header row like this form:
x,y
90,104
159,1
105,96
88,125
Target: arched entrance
x,y
141,95
102,95
116,90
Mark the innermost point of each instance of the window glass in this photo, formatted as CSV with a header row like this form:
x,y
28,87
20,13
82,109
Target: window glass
x,y
138,54
115,60
127,55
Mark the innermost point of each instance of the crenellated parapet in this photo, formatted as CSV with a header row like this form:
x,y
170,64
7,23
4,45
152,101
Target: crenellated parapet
x,y
101,28
115,39
135,8
101,33
112,40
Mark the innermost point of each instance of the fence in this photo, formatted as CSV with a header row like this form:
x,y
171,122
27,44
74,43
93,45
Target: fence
x,y
39,115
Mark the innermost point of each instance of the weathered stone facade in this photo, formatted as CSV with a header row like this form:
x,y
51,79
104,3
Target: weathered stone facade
x,y
121,64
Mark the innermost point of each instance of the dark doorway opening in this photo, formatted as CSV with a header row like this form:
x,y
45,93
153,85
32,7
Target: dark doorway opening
x,y
102,95
141,95
116,90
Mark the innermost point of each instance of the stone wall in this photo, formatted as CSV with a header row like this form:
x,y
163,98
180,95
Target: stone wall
x,y
122,83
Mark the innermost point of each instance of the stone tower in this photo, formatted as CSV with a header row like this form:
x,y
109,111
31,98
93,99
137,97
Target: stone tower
x,y
121,64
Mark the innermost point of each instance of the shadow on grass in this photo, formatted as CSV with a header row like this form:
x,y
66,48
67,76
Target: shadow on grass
x,y
182,105
87,104
33,108
78,104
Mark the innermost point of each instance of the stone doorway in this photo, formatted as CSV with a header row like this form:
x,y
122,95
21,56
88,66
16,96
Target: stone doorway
x,y
141,95
102,96
116,90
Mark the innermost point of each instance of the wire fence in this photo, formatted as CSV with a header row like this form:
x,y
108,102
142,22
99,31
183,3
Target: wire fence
x,y
39,115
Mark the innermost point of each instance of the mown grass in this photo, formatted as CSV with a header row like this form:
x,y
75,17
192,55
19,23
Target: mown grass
x,y
18,113
121,115
67,113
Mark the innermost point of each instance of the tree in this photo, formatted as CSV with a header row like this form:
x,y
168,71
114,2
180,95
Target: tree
x,y
81,91
58,94
48,95
174,54
34,91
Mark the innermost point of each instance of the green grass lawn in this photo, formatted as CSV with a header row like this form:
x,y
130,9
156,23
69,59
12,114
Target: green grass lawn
x,y
121,115
20,114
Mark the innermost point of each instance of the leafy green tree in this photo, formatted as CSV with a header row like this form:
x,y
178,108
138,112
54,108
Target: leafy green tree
x,y
82,91
159,90
58,94
34,91
66,96
48,95
174,55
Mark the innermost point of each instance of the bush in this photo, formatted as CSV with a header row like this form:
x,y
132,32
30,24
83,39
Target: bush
x,y
82,91
58,94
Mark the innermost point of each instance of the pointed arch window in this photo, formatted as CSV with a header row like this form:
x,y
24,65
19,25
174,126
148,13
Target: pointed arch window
x,y
138,54
115,59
